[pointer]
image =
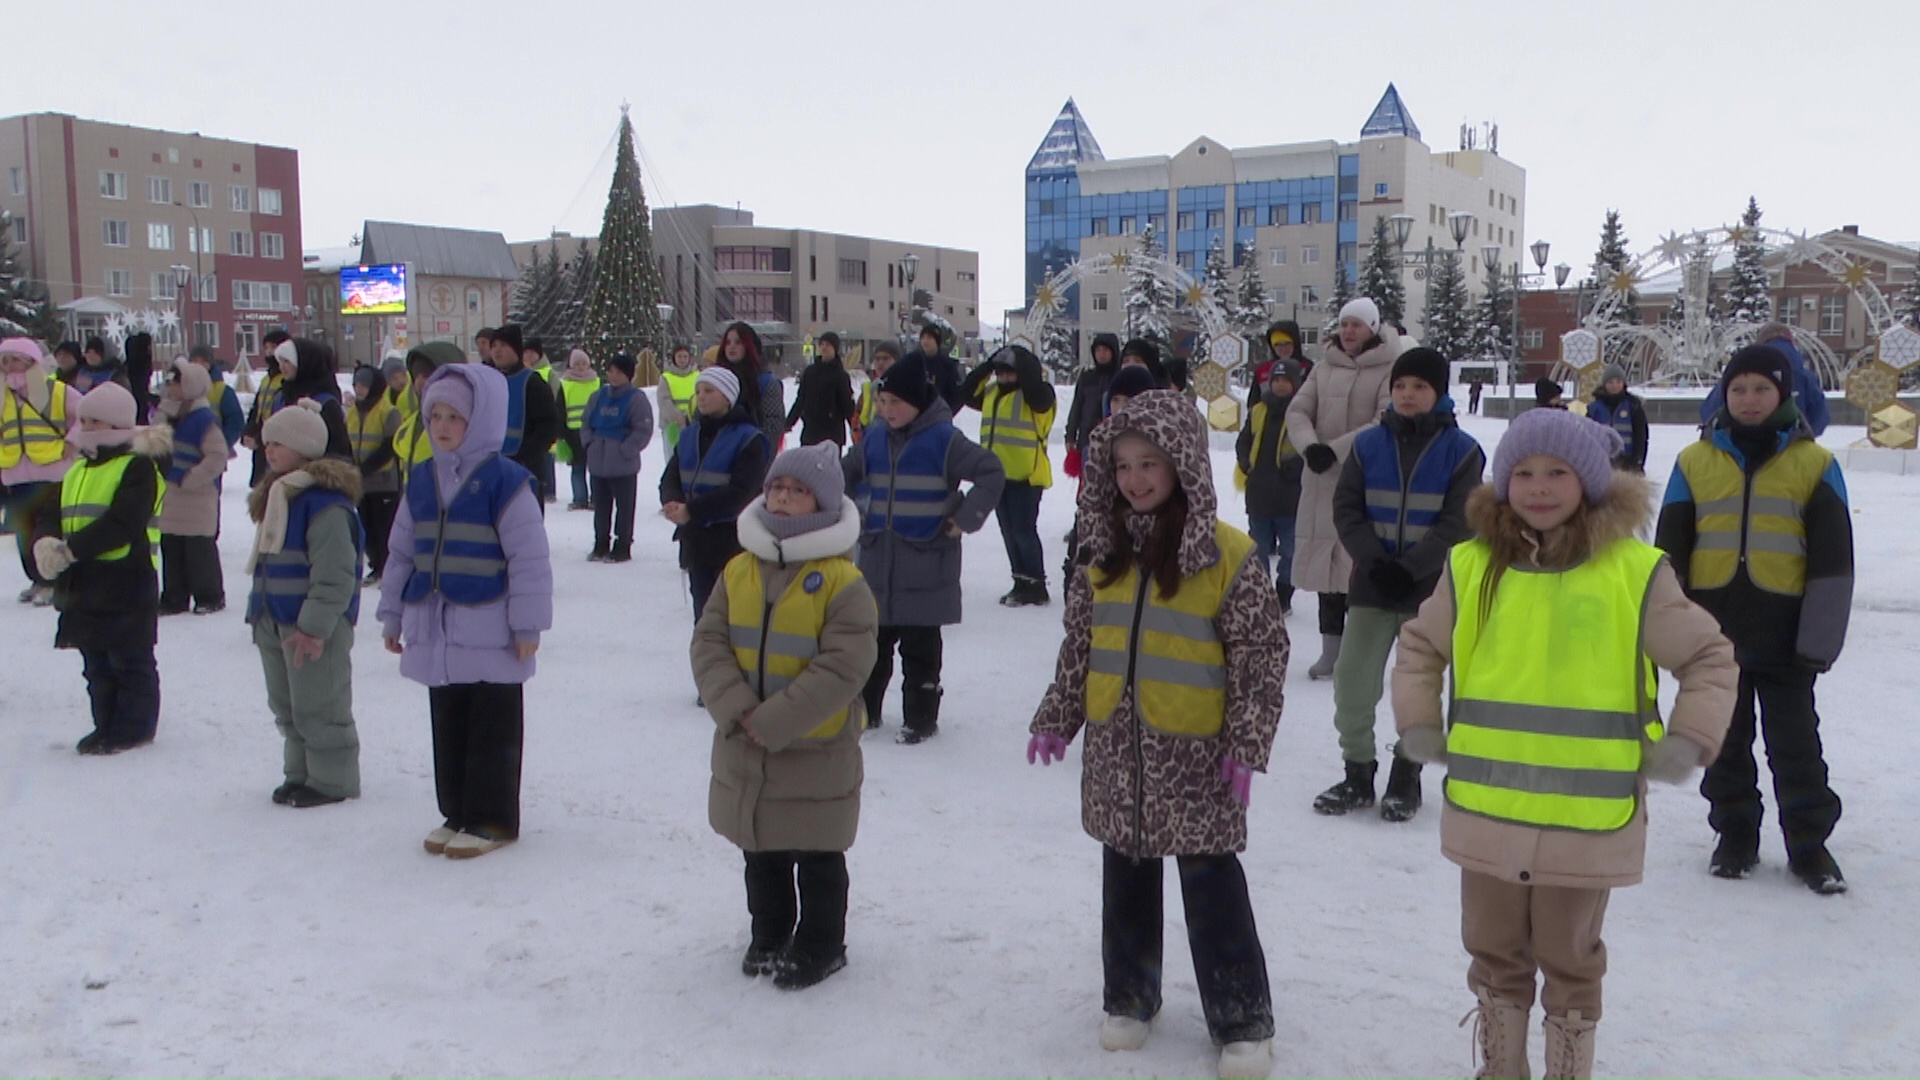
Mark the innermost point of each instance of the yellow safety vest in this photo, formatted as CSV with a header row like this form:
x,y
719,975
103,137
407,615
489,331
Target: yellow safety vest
x,y
1526,742
544,371
24,432
1280,450
1167,650
773,645
367,430
88,491
217,392
263,397
577,392
1017,435
1757,520
411,444
406,400
866,405
680,387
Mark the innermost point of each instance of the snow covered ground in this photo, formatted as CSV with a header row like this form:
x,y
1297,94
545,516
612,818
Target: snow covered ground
x,y
163,918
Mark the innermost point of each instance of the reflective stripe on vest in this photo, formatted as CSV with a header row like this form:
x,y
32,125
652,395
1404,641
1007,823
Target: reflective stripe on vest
x,y
866,404
456,548
188,434
367,429
908,491
1552,693
1015,434
412,444
577,392
773,644
1167,652
1756,520
282,580
88,491
516,410
680,387
1402,512
26,433
1621,419
703,474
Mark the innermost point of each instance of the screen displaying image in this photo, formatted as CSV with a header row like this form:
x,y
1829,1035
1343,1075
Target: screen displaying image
x,y
373,290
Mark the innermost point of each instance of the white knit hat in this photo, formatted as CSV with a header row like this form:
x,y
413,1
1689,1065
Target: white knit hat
x,y
1365,310
299,428
722,380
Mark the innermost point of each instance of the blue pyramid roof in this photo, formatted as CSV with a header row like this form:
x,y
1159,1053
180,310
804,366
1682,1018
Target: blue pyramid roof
x,y
1390,117
1069,142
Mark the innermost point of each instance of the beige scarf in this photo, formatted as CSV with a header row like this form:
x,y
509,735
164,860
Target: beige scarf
x,y
271,536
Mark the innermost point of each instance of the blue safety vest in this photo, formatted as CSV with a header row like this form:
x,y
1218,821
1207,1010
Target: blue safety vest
x,y
1620,419
703,474
187,435
908,494
516,410
608,413
456,549
1401,513
281,581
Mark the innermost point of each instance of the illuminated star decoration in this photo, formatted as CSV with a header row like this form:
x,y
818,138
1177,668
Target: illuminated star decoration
x,y
1046,299
114,327
1673,248
1624,280
1738,234
1803,248
1195,295
168,320
1122,259
1855,275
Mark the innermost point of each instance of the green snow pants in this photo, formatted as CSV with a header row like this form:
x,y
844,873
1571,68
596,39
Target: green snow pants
x,y
1360,675
313,708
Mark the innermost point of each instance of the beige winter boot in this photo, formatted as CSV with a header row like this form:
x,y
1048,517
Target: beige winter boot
x,y
1569,1047
1500,1039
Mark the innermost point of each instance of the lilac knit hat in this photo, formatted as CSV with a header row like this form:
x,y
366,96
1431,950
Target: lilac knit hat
x,y
1587,446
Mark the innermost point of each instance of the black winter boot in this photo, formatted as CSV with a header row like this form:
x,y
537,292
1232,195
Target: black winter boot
x,y
622,552
1816,870
1402,799
1353,793
761,959
1737,853
798,969
599,552
919,714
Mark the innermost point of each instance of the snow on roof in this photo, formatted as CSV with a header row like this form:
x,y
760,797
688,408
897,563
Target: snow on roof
x,y
1069,142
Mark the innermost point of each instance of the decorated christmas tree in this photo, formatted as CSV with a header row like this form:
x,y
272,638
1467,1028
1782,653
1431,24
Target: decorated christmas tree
x,y
622,311
1149,300
24,308
1380,274
1448,326
1748,298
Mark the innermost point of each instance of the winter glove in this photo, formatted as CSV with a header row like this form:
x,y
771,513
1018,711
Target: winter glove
x,y
1426,744
1239,778
1392,579
1320,457
1671,760
1071,466
1046,749
52,556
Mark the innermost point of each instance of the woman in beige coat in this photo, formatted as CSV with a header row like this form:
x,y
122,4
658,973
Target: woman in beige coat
x,y
1549,621
780,653
1346,391
190,512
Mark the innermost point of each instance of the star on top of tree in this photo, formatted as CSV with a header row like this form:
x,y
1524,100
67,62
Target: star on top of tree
x,y
1738,234
1855,274
1673,248
1802,248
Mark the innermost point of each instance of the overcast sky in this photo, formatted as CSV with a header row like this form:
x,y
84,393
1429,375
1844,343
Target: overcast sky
x,y
915,122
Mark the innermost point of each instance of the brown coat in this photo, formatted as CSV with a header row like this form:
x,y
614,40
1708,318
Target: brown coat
x,y
1678,636
1144,792
192,506
785,793
1342,395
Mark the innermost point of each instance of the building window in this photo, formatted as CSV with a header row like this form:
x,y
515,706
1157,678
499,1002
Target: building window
x,y
119,283
1380,191
272,246
1185,259
270,201
1345,253
113,233
159,236
1349,211
209,292
853,272
813,309
813,268
1216,219
1790,310
208,334
262,296
1309,213
1099,301
1278,293
826,309
1309,295
763,260
240,242
1129,226
1097,227
473,302
1185,221
162,284
1309,254
246,338
199,194
239,199
1532,339
966,275
1246,217
1833,314
1278,256
753,305
20,230
200,240
1158,223
17,179
159,190
113,185
1277,215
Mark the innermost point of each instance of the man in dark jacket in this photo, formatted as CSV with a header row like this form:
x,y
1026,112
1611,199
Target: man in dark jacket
x,y
139,352
1089,405
944,370
824,403
1613,406
1017,406
533,421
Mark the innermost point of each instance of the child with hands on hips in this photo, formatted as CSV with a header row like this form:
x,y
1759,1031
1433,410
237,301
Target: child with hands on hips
x,y
1553,620
1175,655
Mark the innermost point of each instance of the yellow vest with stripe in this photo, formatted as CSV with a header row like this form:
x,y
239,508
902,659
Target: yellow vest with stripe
x,y
680,387
865,411
411,444
576,393
406,400
774,645
26,433
1280,449
217,393
1754,520
1017,435
1167,650
1527,743
88,491
366,430
263,398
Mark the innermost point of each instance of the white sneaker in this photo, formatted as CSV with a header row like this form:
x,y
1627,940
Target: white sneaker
x,y
43,596
1123,1033
467,845
1247,1060
437,840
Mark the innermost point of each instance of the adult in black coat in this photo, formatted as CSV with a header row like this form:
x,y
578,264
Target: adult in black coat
x,y
540,424
944,370
311,376
139,367
1089,405
824,403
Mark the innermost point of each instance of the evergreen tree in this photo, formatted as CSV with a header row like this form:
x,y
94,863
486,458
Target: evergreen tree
x,y
1748,300
573,297
1380,274
1058,352
1250,316
25,310
1493,320
622,312
1448,325
1907,306
1609,260
1342,292
1218,287
1149,300
536,295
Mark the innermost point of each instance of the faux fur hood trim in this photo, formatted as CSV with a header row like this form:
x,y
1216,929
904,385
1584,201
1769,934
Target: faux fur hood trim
x,y
328,474
837,539
1169,420
1626,511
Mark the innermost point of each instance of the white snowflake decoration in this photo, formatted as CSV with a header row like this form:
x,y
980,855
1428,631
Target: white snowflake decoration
x,y
1578,348
168,320
1900,348
114,328
1229,351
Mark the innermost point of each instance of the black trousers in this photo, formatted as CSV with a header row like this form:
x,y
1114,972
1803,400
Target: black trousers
x,y
377,512
33,511
123,686
190,568
820,911
613,503
700,584
1228,963
1333,613
921,650
478,729
1808,808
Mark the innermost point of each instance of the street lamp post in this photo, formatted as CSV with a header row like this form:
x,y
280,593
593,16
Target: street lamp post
x,y
1459,225
1491,253
198,244
181,274
911,263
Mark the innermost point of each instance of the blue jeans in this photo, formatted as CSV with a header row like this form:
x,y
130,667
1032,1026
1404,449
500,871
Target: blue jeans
x,y
1019,515
1274,536
581,496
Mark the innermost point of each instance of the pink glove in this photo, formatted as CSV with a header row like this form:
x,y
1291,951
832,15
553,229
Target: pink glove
x,y
1047,749
1238,777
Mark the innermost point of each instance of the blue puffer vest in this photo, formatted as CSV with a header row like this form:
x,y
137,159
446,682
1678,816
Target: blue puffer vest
x,y
281,581
703,474
456,550
909,495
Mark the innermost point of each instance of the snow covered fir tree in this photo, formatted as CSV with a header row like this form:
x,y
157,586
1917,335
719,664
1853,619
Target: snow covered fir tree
x,y
1342,292
1748,299
537,296
1149,300
1448,325
1610,259
1217,284
1059,351
24,308
623,313
1380,274
1251,301
1493,321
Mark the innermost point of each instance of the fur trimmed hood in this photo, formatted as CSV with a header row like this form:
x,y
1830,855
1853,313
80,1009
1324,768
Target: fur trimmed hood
x,y
327,474
836,539
1169,420
1626,511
